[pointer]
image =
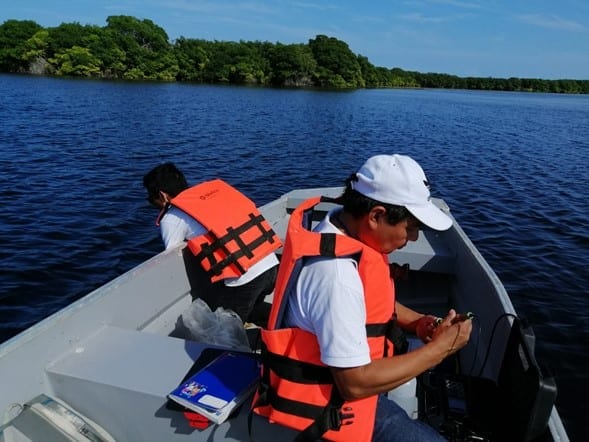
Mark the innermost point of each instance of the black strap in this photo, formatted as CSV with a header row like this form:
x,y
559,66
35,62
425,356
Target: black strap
x,y
397,336
263,387
377,330
329,199
208,250
296,371
290,406
325,418
327,245
331,418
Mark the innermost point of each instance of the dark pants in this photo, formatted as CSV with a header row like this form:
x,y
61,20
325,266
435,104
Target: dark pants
x,y
246,300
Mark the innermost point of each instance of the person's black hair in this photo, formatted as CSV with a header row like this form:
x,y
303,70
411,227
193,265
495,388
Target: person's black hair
x,y
166,178
359,205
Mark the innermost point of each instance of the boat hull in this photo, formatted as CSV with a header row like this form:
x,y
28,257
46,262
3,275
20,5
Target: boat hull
x,y
114,354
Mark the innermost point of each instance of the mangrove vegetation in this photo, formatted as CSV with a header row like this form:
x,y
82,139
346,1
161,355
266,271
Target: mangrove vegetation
x,y
132,49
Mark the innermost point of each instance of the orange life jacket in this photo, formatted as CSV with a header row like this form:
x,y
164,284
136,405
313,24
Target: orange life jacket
x,y
297,389
237,235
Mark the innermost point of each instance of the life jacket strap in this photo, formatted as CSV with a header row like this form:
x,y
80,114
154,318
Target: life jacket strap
x,y
325,418
208,250
295,371
327,245
378,330
332,417
397,336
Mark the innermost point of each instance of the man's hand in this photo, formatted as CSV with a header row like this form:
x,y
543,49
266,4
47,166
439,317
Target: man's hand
x,y
425,327
452,332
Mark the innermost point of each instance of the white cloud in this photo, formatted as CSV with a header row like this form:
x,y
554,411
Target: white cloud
x,y
317,6
552,22
455,3
417,17
458,4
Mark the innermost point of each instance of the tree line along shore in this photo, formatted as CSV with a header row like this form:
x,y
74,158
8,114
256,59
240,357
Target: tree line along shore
x,y
131,49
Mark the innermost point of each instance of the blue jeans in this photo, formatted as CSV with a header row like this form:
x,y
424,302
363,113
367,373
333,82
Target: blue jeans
x,y
393,424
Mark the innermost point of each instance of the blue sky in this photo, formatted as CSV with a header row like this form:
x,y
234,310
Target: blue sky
x,y
498,38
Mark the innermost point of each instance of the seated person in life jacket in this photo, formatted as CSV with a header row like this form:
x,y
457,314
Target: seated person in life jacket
x,y
329,355
229,238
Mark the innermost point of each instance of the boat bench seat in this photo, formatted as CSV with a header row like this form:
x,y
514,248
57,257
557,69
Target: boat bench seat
x,y
114,379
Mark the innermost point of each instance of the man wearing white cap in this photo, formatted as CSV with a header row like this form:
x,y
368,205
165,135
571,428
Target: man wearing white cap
x,y
327,353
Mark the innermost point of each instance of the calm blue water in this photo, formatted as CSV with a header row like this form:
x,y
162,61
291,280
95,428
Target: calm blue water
x,y
514,168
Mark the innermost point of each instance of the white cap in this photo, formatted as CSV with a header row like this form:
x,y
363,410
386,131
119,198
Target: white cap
x,y
399,180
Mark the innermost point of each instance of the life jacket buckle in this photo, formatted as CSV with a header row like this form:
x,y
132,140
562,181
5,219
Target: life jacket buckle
x,y
339,417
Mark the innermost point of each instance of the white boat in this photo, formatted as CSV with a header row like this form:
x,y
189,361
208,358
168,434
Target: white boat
x,y
110,358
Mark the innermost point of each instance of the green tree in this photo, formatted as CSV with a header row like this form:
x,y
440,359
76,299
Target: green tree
x,y
370,73
104,46
337,64
14,35
77,61
232,62
147,51
291,65
222,56
401,78
192,57
35,53
249,66
161,67
36,46
66,36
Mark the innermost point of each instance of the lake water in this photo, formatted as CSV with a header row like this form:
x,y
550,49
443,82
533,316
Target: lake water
x,y
514,168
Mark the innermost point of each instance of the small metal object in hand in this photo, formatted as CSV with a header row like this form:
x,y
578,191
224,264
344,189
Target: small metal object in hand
x,y
458,318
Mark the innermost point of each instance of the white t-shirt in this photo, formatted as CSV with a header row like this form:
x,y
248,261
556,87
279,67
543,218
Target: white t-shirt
x,y
328,301
177,226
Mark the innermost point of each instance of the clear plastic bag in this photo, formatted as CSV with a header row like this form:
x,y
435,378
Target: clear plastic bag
x,y
221,327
